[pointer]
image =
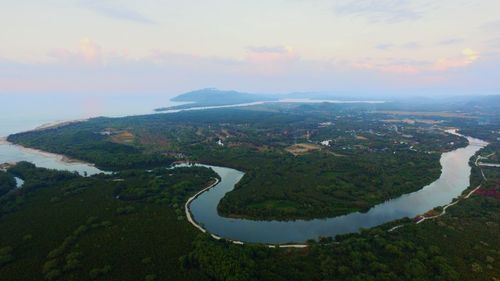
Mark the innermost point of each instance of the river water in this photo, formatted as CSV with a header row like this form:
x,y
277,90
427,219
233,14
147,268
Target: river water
x,y
453,180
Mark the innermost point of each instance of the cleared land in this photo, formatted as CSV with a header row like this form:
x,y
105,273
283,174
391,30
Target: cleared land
x,y
424,113
302,148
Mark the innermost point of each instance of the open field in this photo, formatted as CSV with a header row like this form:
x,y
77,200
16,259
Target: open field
x,y
427,114
302,148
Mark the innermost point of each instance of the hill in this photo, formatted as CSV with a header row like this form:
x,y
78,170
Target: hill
x,y
214,97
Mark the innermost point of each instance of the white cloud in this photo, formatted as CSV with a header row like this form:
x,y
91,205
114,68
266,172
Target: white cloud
x,y
384,46
391,46
388,11
115,10
269,49
491,26
451,41
467,57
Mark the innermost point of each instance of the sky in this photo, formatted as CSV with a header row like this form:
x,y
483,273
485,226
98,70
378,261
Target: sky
x,y
366,47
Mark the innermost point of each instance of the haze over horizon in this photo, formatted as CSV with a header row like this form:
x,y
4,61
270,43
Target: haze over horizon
x,y
363,47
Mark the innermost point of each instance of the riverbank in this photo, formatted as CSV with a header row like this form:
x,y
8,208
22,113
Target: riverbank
x,y
420,219
192,221
58,157
454,179
443,212
188,212
14,153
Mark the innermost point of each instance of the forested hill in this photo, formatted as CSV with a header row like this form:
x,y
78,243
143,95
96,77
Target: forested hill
x,y
215,97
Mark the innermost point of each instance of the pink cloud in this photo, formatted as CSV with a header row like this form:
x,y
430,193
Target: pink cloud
x,y
89,50
88,53
269,60
90,68
468,57
394,68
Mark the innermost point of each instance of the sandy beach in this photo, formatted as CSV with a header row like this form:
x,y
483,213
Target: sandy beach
x,y
57,124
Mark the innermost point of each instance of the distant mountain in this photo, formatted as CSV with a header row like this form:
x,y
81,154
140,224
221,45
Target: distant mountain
x,y
211,95
215,97
492,101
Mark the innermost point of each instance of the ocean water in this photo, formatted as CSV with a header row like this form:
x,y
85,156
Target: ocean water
x,y
28,111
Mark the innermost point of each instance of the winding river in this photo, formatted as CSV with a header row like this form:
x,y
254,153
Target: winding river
x,y
453,181
203,208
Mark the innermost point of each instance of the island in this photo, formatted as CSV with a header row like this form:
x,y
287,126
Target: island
x,y
210,97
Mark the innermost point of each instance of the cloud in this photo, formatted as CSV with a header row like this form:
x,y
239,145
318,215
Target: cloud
x,y
467,57
451,41
115,11
384,46
491,26
270,60
388,11
493,43
91,68
88,53
396,69
411,45
89,50
405,67
269,49
390,46
392,66
470,55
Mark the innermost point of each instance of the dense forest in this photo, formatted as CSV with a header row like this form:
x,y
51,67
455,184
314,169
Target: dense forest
x,y
68,227
318,185
144,239
7,182
426,251
367,158
130,225
462,245
92,147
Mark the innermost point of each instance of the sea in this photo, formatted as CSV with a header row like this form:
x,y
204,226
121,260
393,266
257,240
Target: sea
x,y
22,112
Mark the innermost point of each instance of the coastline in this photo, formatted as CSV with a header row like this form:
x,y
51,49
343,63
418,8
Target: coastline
x,y
193,105
57,124
46,126
59,157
